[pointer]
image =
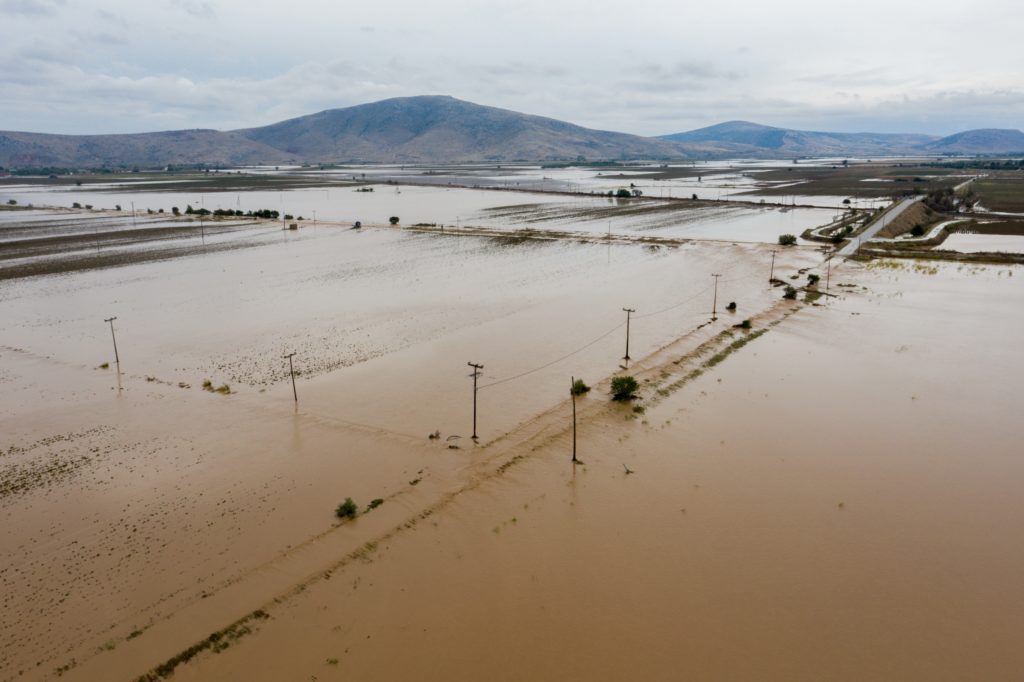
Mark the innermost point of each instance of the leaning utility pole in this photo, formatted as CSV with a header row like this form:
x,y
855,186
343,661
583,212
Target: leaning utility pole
x,y
629,312
117,358
572,392
771,273
291,368
476,375
714,302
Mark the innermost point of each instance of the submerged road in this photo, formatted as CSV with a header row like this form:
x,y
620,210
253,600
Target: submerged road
x,y
877,226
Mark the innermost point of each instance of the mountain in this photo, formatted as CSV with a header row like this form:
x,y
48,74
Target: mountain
x,y
745,138
439,129
37,150
983,141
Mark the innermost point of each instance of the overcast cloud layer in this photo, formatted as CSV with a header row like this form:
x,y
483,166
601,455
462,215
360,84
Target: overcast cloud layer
x,y
644,67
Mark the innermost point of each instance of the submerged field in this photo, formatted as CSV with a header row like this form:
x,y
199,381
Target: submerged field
x,y
779,500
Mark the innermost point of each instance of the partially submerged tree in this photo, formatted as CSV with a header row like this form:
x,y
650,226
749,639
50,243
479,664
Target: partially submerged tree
x,y
624,388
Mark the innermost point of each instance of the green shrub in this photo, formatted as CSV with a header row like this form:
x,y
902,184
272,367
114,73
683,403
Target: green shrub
x,y
624,388
731,307
347,509
917,231
579,387
787,239
374,504
813,279
790,293
393,220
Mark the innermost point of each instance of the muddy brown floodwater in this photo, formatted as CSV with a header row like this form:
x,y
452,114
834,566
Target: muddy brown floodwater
x,y
832,494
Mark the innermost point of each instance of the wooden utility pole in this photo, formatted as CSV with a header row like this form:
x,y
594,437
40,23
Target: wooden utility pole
x,y
291,368
629,312
572,392
714,302
828,272
476,375
771,273
113,336
117,358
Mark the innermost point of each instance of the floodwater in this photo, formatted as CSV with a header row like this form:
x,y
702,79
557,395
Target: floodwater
x,y
844,483
735,179
454,206
111,473
978,243
823,505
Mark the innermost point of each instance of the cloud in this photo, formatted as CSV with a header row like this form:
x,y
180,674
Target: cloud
x,y
30,7
197,8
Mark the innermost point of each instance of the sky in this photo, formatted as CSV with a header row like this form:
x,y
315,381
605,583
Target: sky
x,y
645,67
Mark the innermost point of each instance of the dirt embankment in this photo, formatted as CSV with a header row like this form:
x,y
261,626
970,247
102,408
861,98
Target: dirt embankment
x,y
917,215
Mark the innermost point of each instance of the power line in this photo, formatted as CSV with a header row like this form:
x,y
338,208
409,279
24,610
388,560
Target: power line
x,y
555,362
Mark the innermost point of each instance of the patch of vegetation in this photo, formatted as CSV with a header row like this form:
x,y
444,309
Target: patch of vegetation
x,y
579,387
790,293
374,504
218,641
393,220
624,388
813,279
347,509
105,365
787,239
731,307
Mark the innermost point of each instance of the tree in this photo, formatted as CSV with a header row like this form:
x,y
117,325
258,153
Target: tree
x,y
624,388
393,220
347,509
623,194
579,387
787,239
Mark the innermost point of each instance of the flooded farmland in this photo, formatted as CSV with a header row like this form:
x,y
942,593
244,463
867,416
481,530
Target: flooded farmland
x,y
799,481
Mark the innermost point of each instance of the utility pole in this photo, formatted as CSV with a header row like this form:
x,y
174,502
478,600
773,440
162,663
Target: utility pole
x,y
476,375
133,214
572,392
771,274
117,358
629,312
828,272
291,368
714,302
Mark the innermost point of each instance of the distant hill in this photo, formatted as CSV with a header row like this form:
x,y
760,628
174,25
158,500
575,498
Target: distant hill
x,y
37,150
444,129
440,129
743,137
983,141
